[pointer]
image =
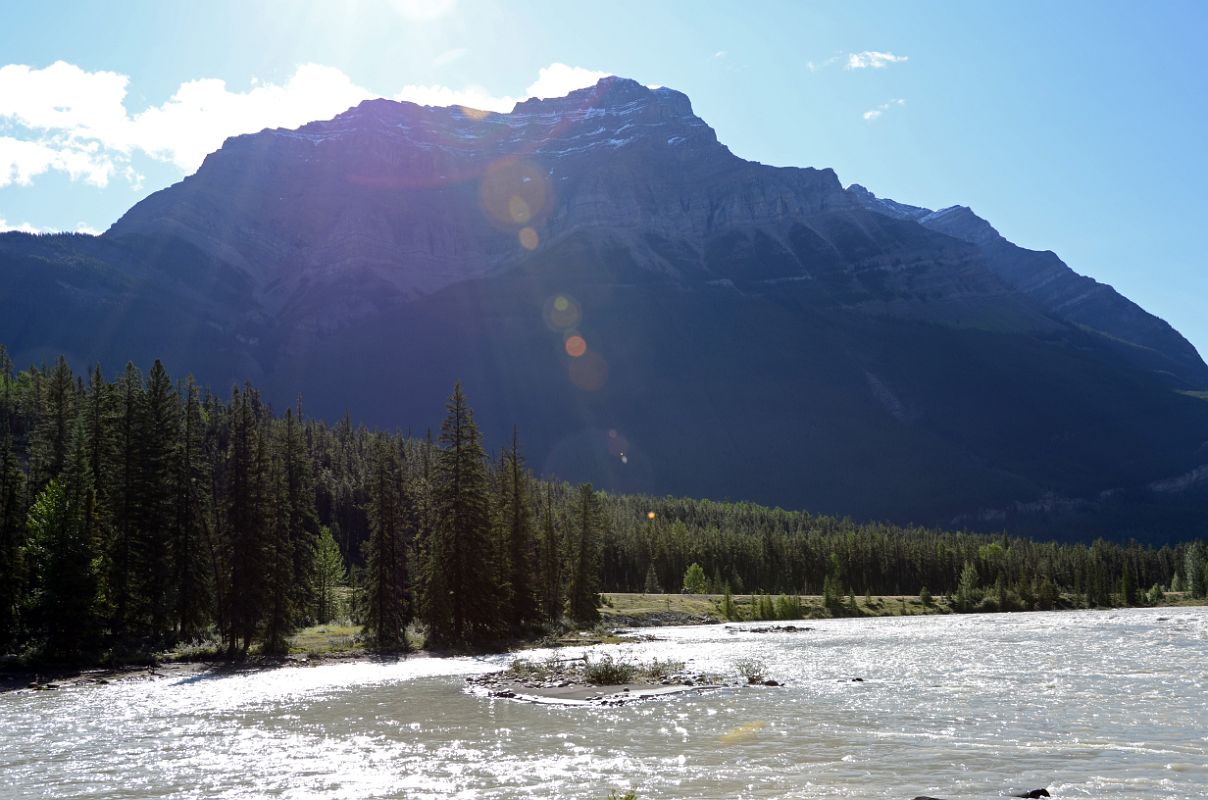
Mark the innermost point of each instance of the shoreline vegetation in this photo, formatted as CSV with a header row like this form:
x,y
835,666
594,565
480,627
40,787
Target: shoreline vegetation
x,y
624,617
145,521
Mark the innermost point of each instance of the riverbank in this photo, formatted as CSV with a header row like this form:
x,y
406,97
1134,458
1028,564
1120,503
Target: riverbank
x,y
620,612
640,610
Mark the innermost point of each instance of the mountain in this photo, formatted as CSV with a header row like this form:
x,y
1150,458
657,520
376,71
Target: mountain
x,y
653,312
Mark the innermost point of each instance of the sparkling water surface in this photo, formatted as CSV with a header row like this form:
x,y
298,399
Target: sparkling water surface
x,y
1095,704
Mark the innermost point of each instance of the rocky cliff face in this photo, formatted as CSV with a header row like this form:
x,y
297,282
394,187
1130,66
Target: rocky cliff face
x,y
1064,294
751,332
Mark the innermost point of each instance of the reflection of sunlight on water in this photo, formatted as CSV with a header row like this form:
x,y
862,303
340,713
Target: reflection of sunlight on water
x,y
950,706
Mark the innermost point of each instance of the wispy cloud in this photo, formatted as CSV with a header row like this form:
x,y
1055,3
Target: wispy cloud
x,y
66,119
876,113
720,54
449,56
872,59
865,59
815,66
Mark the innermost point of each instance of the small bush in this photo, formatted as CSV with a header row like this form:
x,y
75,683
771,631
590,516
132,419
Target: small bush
x,y
524,669
660,670
754,670
609,672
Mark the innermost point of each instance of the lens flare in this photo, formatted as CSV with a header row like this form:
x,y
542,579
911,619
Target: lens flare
x,y
575,345
514,193
650,515
529,238
589,373
476,114
518,210
561,313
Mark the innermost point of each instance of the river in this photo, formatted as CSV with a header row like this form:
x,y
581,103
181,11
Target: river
x,y
1093,704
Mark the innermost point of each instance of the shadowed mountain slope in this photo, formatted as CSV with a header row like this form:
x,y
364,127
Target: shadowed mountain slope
x,y
655,313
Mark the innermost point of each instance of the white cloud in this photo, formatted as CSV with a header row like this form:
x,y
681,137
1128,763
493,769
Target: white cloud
x,y
872,59
24,227
449,56
470,96
203,113
879,111
23,160
558,80
720,54
66,119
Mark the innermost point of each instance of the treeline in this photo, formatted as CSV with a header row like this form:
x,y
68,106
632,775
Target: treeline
x,y
141,511
652,542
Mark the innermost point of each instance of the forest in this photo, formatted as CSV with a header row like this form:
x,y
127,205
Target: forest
x,y
141,511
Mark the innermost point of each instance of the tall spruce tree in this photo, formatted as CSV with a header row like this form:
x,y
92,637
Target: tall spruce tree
x,y
59,551
190,544
583,592
155,522
247,517
387,601
521,545
122,557
302,521
12,540
459,579
552,556
52,432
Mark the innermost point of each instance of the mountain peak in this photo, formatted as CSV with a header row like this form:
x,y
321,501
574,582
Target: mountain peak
x,y
613,94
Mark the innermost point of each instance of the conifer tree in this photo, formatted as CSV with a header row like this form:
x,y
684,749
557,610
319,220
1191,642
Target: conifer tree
x,y
459,580
330,574
694,579
52,432
551,562
387,601
728,610
1193,566
12,539
301,518
651,585
278,567
191,539
62,588
246,518
967,589
583,591
126,511
156,518
521,547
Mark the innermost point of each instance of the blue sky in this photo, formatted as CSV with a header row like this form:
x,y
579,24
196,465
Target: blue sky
x,y
1075,127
